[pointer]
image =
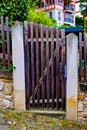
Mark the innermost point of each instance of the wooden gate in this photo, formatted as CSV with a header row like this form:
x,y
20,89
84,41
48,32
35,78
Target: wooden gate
x,y
45,77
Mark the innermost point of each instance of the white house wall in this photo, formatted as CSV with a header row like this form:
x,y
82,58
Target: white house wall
x,y
55,16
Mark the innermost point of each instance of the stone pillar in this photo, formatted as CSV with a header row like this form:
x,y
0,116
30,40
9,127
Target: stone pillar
x,y
18,62
72,77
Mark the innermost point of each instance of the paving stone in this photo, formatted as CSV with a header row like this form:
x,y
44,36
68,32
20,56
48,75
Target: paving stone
x,y
9,123
4,127
2,115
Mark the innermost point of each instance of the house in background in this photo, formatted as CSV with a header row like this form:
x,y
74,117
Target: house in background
x,y
77,8
63,11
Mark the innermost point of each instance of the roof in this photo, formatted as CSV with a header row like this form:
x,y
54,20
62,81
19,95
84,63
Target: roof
x,y
74,30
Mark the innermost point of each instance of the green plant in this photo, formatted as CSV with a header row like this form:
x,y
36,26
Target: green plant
x,y
14,9
83,6
63,26
6,68
40,17
79,21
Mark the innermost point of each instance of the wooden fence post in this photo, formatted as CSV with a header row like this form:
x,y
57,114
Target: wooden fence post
x,y
72,77
18,62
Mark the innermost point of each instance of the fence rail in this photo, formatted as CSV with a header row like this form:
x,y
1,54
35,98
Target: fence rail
x,y
5,40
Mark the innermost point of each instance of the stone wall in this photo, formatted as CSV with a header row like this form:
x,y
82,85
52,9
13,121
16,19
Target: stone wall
x,y
82,104
6,92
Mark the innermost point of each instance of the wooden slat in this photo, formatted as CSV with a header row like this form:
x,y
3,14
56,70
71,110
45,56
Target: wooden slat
x,y
8,41
85,57
27,63
57,70
37,65
6,56
52,67
3,40
42,66
63,65
48,73
32,64
80,56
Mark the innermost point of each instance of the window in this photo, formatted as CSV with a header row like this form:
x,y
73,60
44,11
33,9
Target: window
x,y
52,2
59,16
72,19
42,4
46,2
50,14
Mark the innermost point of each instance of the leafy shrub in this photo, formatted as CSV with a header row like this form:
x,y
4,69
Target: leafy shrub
x,y
14,9
40,17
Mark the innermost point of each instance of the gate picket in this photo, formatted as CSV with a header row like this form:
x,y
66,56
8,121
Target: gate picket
x,y
3,40
52,67
32,65
80,56
63,67
27,65
8,41
48,73
42,65
85,71
37,65
57,70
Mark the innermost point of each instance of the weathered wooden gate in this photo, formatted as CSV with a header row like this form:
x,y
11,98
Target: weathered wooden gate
x,y
45,76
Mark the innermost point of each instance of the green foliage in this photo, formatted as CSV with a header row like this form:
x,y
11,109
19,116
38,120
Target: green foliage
x,y
79,21
63,26
7,69
14,9
83,5
23,10
40,17
33,4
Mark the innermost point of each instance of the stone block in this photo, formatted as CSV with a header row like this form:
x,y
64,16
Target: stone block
x,y
1,85
8,97
12,105
8,89
84,114
85,103
1,103
81,96
80,106
86,98
6,103
1,95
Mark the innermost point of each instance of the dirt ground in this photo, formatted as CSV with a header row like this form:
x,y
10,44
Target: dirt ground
x,y
13,120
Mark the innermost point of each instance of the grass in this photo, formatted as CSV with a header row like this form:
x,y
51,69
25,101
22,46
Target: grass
x,y
26,120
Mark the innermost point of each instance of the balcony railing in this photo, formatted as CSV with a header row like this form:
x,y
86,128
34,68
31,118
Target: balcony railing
x,y
59,2
69,7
